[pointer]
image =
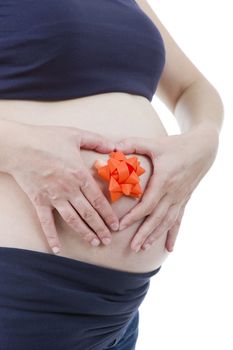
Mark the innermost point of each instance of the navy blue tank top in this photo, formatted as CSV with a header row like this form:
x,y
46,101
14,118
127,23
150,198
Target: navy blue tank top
x,y
56,50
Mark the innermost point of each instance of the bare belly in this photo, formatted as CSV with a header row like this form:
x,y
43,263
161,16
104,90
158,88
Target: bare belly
x,y
115,115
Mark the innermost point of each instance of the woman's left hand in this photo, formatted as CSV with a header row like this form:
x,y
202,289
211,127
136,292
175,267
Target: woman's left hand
x,y
179,163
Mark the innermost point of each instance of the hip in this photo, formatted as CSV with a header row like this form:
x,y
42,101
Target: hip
x,y
52,302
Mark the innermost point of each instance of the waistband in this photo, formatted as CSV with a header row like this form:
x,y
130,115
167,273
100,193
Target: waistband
x,y
55,269
64,303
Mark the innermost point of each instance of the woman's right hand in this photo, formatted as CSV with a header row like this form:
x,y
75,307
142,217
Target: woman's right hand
x,y
46,163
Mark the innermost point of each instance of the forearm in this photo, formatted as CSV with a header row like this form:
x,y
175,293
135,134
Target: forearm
x,y
200,105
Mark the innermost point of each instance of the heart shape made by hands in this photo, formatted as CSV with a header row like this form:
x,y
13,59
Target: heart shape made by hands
x,y
122,173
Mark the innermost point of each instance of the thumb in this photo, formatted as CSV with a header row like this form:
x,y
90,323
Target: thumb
x,y
94,141
138,145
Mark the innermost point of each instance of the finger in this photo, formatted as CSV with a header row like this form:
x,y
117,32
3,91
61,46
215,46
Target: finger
x,y
91,217
171,237
137,145
150,223
164,226
150,199
97,199
71,217
46,218
91,140
174,230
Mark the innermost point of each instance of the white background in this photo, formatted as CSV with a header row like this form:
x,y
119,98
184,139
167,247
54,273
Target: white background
x,y
189,304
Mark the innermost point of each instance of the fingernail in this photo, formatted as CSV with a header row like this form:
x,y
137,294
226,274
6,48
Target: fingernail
x,y
56,250
95,242
114,227
106,240
137,248
146,246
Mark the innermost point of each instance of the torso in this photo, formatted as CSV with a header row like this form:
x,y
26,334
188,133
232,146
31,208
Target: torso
x,y
115,115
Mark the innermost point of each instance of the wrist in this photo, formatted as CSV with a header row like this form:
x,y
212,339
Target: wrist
x,y
11,136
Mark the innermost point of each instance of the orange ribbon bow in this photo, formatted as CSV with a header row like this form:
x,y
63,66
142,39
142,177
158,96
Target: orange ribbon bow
x,y
122,173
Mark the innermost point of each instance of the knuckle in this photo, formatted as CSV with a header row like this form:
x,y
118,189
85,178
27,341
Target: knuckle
x,y
147,211
102,233
88,213
141,237
70,218
154,234
78,200
54,197
81,174
88,236
45,221
37,198
55,201
178,221
158,218
152,238
148,208
168,222
85,183
98,202
51,237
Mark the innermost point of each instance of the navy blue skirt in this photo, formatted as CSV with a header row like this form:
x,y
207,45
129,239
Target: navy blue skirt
x,y
50,302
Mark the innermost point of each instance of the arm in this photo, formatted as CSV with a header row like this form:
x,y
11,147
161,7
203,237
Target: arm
x,y
185,91
179,161
199,104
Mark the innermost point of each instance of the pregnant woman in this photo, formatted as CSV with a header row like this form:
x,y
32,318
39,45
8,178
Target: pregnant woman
x,y
76,83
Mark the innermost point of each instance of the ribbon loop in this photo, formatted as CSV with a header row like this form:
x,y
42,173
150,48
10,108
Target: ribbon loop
x,y
122,173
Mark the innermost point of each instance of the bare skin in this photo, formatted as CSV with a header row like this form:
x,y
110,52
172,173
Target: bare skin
x,y
194,102
104,114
